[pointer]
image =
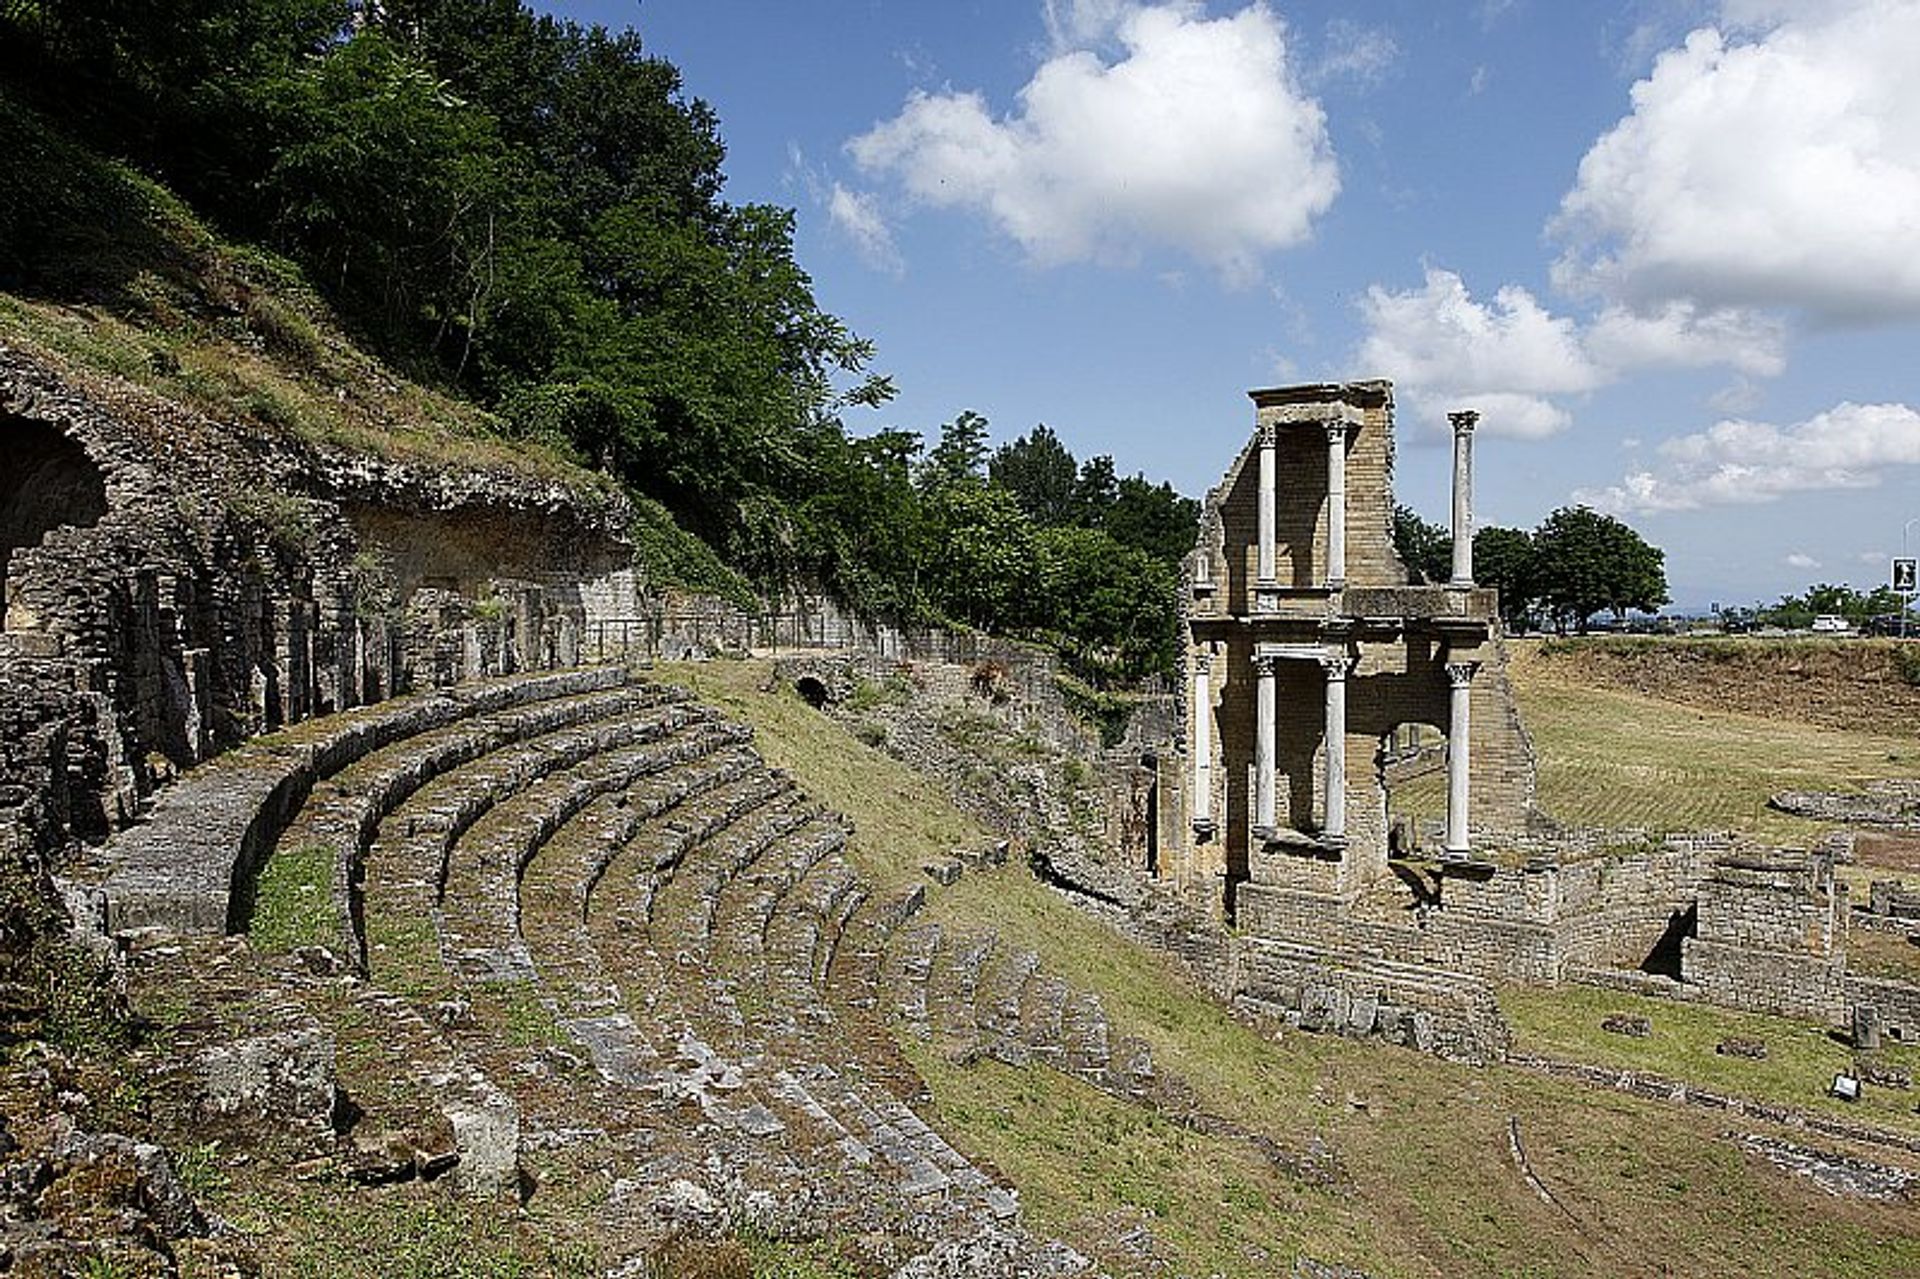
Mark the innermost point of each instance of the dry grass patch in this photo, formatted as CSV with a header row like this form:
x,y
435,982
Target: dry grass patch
x,y
1611,758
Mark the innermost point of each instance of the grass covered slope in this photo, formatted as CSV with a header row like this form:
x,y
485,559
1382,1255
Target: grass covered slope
x,y
1376,1158
1700,743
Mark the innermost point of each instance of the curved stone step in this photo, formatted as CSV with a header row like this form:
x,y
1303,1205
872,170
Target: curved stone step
x,y
343,812
191,864
908,965
557,894
952,987
405,867
1084,1033
479,904
997,1003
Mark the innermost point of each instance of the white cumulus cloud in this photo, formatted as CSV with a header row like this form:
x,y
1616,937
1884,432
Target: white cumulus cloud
x,y
1514,360
1196,136
1800,559
1739,462
1772,163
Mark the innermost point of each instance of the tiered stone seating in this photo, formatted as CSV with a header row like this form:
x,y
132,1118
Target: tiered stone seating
x,y
971,998
609,854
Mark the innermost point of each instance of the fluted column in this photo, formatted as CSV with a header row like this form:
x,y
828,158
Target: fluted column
x,y
1264,746
1463,424
1334,828
1268,568
1336,505
1459,754
1203,746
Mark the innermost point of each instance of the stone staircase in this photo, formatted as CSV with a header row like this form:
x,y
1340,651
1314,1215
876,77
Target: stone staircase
x,y
588,895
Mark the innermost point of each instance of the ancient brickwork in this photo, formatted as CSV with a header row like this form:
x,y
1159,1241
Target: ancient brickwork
x,y
1333,611
196,586
1771,936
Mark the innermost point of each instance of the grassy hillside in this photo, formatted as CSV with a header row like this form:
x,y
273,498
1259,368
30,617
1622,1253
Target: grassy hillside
x,y
1700,742
1377,1158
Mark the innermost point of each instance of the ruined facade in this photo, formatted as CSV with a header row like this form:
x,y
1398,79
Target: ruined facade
x,y
1311,664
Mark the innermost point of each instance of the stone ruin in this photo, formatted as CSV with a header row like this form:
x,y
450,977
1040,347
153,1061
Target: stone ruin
x,y
1317,679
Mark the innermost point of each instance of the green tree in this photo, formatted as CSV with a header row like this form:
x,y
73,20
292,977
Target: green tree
x,y
1112,608
1039,471
1588,562
1426,549
960,456
1152,518
1504,559
1095,491
985,569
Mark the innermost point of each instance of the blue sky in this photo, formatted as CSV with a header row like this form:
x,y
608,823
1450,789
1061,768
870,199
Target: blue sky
x,y
1669,248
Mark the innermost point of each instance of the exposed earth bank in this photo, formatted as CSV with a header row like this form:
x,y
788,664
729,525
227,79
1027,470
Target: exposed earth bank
x,y
1866,685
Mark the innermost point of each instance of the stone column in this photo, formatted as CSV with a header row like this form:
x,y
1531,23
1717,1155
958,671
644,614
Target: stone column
x,y
1336,505
1266,578
1265,732
1337,667
1463,424
1203,746
1459,755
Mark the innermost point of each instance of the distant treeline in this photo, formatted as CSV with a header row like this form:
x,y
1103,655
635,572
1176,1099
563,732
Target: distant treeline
x,y
530,211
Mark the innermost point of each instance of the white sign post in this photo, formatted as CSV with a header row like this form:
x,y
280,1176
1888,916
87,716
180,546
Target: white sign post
x,y
1903,585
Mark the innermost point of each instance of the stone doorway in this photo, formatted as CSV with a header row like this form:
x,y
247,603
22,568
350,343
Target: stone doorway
x,y
46,481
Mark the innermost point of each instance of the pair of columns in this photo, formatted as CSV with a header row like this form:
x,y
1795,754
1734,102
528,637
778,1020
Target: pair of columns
x,y
1267,569
1336,666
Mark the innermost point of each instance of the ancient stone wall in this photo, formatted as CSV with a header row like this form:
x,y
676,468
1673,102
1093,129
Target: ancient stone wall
x,y
188,585
1771,936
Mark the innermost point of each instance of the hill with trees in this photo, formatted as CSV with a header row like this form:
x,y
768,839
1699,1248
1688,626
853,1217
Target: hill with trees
x,y
529,214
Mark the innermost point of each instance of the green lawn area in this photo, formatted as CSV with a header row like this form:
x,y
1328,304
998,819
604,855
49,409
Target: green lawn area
x,y
1802,1057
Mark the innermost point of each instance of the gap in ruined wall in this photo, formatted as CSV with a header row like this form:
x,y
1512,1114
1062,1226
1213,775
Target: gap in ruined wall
x,y
464,550
1665,957
46,481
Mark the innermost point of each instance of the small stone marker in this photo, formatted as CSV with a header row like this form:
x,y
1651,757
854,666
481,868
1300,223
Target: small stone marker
x,y
1735,1046
1630,1024
1866,1027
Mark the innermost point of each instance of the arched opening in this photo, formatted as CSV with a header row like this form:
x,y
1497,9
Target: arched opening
x,y
811,691
1412,769
46,480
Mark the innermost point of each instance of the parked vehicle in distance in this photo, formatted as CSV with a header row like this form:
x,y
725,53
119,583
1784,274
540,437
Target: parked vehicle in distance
x,y
1888,624
1830,624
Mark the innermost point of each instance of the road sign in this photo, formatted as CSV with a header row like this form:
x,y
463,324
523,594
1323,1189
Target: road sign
x,y
1903,576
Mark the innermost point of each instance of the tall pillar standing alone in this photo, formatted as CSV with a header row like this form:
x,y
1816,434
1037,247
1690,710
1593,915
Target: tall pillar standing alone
x,y
1463,424
1266,578
1264,747
1459,755
1337,667
1336,505
1202,747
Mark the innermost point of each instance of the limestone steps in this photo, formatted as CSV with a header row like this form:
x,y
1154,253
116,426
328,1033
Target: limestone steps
x,y
971,997
191,866
344,812
480,896
404,870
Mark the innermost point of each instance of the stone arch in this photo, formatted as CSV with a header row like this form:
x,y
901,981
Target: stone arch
x,y
46,481
812,691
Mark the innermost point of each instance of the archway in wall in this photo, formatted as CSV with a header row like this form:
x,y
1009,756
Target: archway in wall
x,y
1411,766
812,691
46,481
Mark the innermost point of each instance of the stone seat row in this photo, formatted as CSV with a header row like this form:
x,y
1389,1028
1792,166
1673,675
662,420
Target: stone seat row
x,y
621,860
189,865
